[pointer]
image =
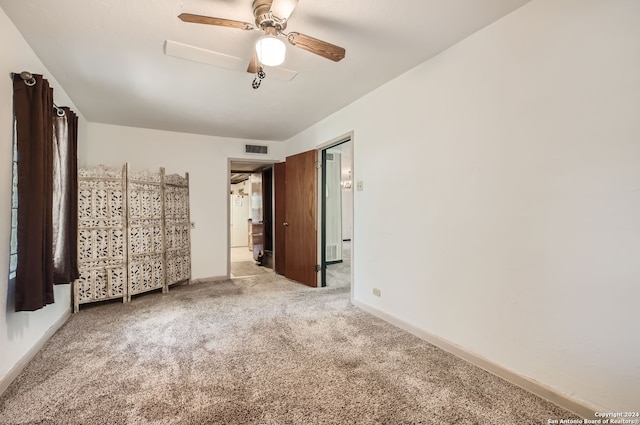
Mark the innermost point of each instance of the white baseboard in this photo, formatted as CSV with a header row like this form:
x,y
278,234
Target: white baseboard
x,y
22,363
209,279
562,400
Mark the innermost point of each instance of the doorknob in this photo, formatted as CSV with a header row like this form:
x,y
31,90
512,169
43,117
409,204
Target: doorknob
x,y
285,224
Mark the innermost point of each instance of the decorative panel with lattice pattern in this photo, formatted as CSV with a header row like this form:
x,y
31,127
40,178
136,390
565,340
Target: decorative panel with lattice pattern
x,y
177,228
146,231
133,233
101,235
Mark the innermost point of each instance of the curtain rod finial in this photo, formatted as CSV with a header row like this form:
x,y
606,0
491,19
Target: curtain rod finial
x,y
28,77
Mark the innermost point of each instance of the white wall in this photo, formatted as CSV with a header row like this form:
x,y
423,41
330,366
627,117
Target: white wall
x,y
523,244
21,332
205,158
347,194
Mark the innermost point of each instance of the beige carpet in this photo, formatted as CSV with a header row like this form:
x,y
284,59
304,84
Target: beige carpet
x,y
247,268
257,350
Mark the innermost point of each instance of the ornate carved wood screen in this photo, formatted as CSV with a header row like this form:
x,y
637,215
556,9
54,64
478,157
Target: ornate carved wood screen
x,y
102,247
133,233
146,231
177,228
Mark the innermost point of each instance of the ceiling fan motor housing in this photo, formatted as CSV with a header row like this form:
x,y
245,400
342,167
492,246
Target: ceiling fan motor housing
x,y
265,19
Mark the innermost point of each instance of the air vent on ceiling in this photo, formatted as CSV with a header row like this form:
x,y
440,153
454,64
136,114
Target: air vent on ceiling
x,y
256,149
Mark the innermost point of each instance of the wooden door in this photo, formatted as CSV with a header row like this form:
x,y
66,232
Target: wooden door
x,y
300,217
280,247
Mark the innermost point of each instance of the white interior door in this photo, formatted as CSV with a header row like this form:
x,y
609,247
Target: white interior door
x,y
239,220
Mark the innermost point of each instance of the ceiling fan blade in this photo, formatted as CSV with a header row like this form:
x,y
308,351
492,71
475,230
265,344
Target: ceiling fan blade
x,y
254,64
208,20
319,47
283,8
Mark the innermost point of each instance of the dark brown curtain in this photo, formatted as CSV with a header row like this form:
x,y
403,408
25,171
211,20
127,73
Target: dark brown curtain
x,y
33,108
65,199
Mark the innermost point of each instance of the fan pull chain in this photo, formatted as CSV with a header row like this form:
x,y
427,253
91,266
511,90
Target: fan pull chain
x,y
258,79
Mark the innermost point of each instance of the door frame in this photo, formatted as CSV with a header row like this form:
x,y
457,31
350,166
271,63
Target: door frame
x,y
257,161
279,212
320,240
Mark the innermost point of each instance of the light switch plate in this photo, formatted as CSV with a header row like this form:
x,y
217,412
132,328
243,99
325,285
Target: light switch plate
x,y
359,185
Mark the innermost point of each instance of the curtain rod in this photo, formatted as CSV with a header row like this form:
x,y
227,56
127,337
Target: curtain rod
x,y
30,80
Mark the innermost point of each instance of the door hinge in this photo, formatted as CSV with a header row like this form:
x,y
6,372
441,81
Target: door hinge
x,y
317,267
318,165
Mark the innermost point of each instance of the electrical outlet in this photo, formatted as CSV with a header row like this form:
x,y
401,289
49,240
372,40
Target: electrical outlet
x,y
359,185
376,292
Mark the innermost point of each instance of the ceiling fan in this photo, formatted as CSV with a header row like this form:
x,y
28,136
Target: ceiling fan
x,y
271,17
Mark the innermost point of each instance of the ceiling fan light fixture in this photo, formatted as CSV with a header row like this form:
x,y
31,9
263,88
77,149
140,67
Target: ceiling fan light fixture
x,y
270,50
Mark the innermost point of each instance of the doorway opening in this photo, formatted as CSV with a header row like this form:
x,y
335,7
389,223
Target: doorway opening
x,y
250,218
336,214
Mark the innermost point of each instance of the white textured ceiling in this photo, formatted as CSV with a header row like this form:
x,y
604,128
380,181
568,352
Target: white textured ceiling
x,y
108,56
